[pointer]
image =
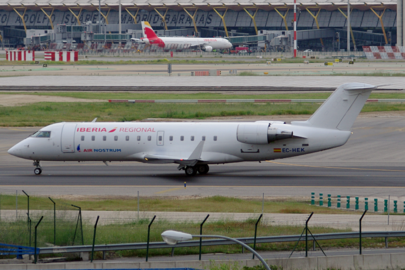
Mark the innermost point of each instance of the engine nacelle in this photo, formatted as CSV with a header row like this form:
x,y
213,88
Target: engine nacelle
x,y
207,48
260,133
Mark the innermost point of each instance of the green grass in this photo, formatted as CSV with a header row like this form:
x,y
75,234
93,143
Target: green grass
x,y
209,204
45,113
136,231
247,73
202,95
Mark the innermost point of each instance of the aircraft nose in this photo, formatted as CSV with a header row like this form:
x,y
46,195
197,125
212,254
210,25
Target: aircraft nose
x,y
15,151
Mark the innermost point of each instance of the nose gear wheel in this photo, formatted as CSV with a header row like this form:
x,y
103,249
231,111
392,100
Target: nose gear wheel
x,y
38,169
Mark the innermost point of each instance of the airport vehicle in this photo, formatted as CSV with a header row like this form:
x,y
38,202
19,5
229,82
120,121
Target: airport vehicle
x,y
180,43
193,146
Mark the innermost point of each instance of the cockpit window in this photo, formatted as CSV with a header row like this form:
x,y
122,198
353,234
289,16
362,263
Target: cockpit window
x,y
42,134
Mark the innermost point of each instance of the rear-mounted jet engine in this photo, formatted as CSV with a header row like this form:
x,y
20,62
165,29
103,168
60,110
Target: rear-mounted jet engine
x,y
260,133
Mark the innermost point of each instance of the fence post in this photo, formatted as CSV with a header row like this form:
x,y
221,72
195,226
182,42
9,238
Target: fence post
x,y
365,211
54,221
338,201
254,241
28,205
320,199
81,223
347,202
147,245
329,200
94,239
356,204
138,205
385,206
16,205
306,234
313,198
395,206
201,225
36,226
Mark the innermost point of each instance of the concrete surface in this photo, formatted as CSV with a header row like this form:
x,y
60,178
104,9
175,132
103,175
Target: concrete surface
x,y
220,81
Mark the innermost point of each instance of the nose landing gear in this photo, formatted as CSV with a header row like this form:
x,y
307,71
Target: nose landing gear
x,y
38,169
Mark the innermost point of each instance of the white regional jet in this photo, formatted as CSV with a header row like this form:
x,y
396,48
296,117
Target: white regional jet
x,y
178,43
193,146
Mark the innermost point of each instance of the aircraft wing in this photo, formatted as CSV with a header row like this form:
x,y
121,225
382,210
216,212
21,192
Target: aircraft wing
x,y
198,44
191,160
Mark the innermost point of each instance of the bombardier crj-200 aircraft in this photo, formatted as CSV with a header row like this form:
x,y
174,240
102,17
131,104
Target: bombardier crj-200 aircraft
x,y
193,146
180,43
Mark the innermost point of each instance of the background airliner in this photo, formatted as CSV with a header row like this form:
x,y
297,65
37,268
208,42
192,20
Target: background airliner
x,y
178,43
193,146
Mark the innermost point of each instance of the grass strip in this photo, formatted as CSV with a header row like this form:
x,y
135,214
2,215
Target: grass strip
x,y
217,204
45,113
136,232
202,95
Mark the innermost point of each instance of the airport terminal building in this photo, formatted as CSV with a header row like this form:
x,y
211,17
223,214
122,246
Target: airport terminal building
x,y
322,25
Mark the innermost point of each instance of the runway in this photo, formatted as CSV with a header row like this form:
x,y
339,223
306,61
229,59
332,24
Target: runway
x,y
371,163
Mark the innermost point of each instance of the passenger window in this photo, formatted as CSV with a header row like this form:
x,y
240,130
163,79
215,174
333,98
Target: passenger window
x,y
171,138
203,138
181,138
115,138
160,138
192,138
149,138
93,138
127,138
82,138
215,138
138,138
104,138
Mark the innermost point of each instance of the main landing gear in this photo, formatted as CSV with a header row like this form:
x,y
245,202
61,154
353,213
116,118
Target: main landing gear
x,y
38,169
200,168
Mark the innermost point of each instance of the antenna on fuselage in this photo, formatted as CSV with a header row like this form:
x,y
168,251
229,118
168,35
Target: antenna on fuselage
x,y
94,120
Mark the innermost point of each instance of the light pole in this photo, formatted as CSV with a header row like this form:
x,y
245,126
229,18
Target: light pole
x,y
348,25
173,237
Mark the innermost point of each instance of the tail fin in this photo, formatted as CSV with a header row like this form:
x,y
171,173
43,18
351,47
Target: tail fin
x,y
147,30
341,109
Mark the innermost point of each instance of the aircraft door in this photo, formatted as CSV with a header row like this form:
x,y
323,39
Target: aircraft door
x,y
160,138
68,138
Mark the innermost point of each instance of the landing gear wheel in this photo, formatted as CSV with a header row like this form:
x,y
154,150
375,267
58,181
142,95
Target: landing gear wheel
x,y
190,170
203,168
37,171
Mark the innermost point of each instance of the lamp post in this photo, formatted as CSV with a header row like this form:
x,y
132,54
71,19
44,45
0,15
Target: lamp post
x,y
173,237
348,25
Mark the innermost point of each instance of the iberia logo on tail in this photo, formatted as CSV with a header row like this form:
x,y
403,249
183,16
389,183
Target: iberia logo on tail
x,y
151,35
